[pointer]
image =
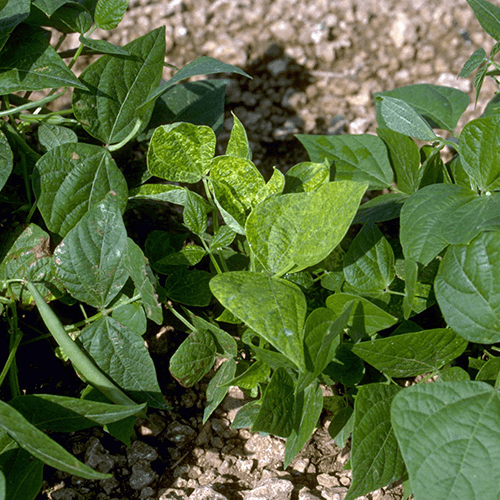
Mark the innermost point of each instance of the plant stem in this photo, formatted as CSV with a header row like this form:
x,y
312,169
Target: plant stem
x,y
180,317
212,256
31,104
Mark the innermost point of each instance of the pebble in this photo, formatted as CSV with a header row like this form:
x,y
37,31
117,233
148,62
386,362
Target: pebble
x,y
142,475
180,434
271,489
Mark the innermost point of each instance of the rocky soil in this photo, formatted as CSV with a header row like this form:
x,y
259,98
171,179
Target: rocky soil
x,y
315,65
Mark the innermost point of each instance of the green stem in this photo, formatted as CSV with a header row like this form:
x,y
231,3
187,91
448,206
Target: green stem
x,y
211,255
180,317
27,184
31,104
78,358
129,137
10,365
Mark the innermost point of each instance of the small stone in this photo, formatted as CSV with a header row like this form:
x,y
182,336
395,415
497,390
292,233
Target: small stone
x,y
206,493
217,442
204,435
146,493
226,466
403,30
338,493
267,450
327,481
141,451
345,481
180,434
152,427
173,494
66,494
359,125
305,494
245,466
142,475
110,484
278,66
271,489
300,465
221,427
208,478
97,458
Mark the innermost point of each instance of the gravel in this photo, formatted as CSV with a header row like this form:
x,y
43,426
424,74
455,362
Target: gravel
x,y
315,65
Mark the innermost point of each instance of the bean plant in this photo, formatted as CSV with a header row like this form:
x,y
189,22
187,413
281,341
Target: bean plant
x,y
380,315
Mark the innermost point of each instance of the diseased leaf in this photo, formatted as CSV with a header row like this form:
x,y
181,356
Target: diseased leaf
x,y
467,288
41,446
352,157
121,354
376,459
160,192
274,186
448,434
117,85
280,230
222,238
181,152
276,411
195,213
274,308
238,141
132,316
72,178
193,358
306,176
412,354
90,261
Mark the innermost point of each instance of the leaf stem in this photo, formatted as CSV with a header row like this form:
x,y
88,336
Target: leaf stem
x,y
179,316
31,104
130,136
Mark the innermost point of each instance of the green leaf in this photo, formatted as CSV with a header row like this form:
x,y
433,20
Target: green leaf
x,y
195,212
51,136
369,262
29,63
489,371
399,116
276,411
442,107
41,446
256,374
479,156
188,287
108,111
22,475
366,318
181,152
404,157
145,283
65,414
121,354
446,456
411,280
161,243
71,179
376,459
282,228
341,414
6,160
382,208
222,238
274,186
193,358
274,308
11,15
200,66
218,388
488,16
109,13
308,407
467,288
474,61
412,354
246,415
103,47
189,255
353,157
453,374
90,261
238,141
70,17
160,192
479,80
199,103
423,216
346,367
132,316
306,176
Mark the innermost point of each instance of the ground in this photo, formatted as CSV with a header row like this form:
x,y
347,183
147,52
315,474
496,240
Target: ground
x,y
315,65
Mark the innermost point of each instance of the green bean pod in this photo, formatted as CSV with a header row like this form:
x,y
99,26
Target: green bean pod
x,y
80,360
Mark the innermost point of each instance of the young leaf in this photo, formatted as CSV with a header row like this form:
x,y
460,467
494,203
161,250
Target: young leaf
x,y
297,230
181,152
90,261
382,208
103,47
29,63
308,407
276,411
195,213
366,318
404,157
256,374
71,179
489,372
376,459
411,279
132,316
222,238
467,288
189,255
442,107
246,415
121,354
160,192
6,160
188,287
479,80
109,13
306,176
339,428
474,61
346,367
65,414
51,136
108,111
144,281
274,186
217,387
446,456
423,216
22,475
488,16
399,116
412,354
369,262
479,157
238,141
275,309
41,446
353,157
194,358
